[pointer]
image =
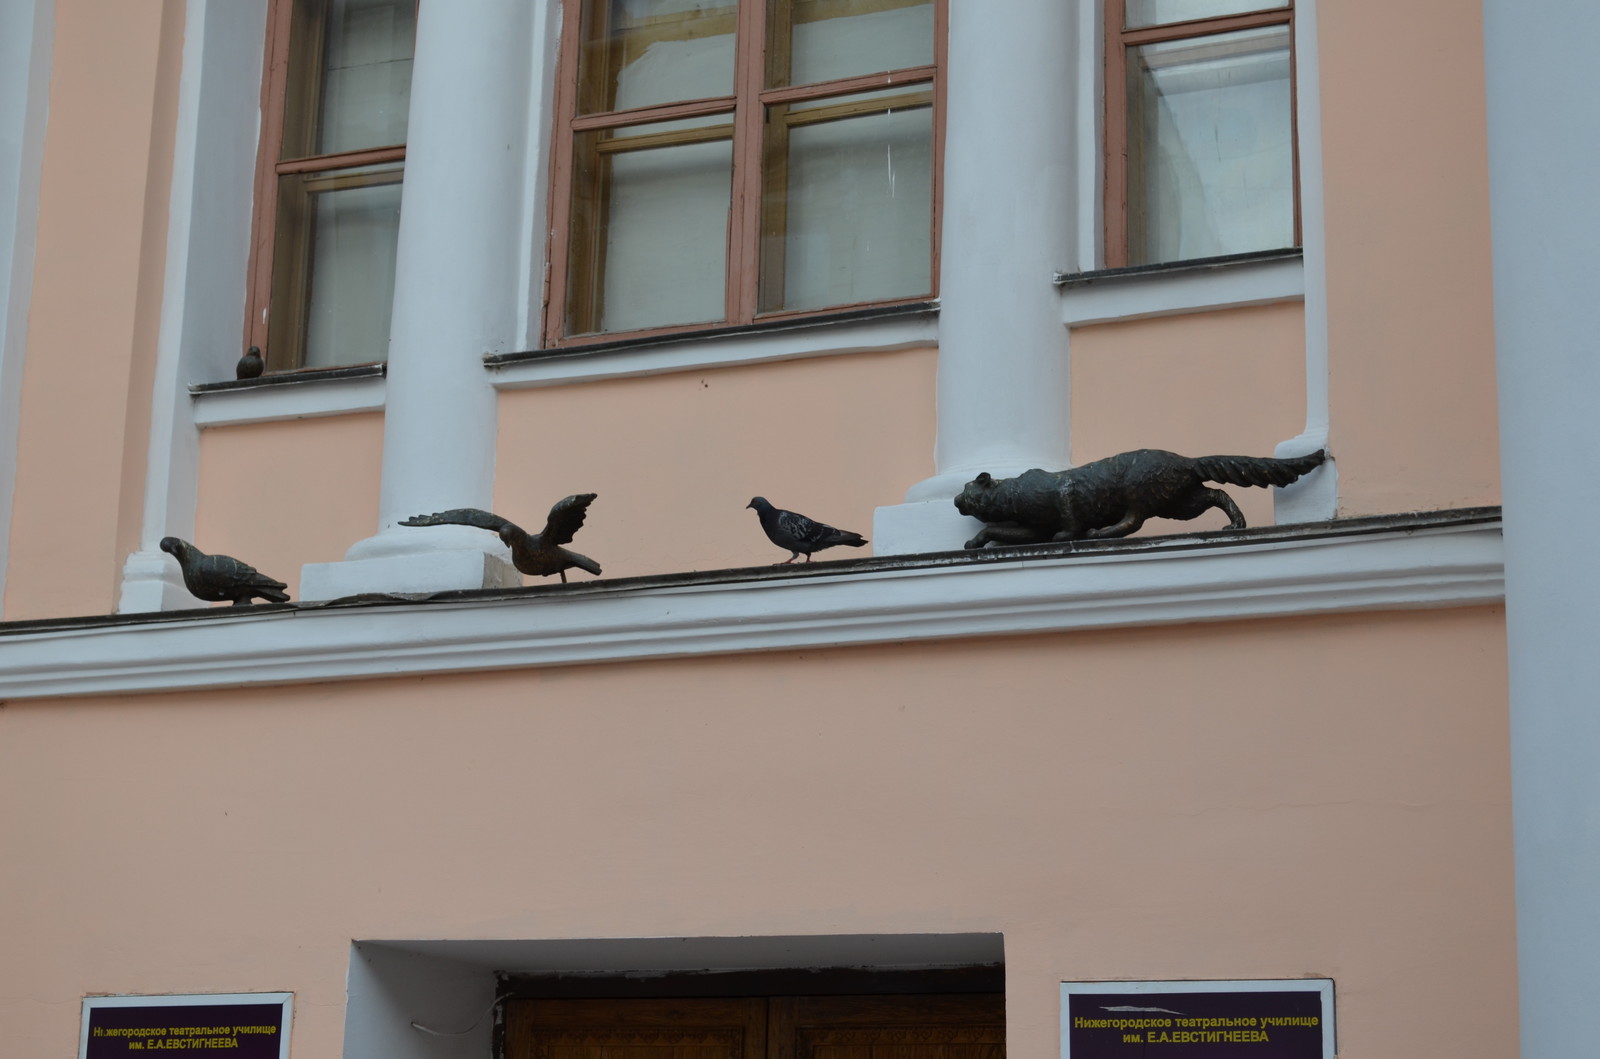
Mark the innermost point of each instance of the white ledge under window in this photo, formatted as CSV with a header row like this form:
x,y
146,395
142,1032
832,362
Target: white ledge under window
x,y
271,398
1440,559
1233,282
862,331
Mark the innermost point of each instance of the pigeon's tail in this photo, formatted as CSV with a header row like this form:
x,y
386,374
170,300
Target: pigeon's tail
x,y
269,589
582,562
1254,470
846,538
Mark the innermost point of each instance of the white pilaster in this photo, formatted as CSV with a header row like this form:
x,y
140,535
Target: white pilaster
x,y
458,291
1009,206
202,294
1316,496
26,32
1544,149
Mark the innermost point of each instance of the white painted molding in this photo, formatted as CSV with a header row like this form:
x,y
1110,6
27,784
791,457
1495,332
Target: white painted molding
x,y
1316,496
203,287
1160,581
457,291
151,580
1171,293
919,331
27,31
1090,109
1007,224
288,400
922,526
1543,152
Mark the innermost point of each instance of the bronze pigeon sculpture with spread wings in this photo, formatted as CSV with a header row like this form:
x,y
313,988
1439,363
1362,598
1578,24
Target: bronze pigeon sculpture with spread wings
x,y
215,578
539,554
792,530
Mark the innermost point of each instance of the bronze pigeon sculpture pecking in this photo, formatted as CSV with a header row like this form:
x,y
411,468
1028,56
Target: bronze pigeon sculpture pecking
x,y
215,578
538,554
792,530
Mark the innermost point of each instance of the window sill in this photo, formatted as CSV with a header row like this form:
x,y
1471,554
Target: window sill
x,y
1205,284
289,395
1431,559
897,327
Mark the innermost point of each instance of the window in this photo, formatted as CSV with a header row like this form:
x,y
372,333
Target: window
x,y
1200,145
334,108
720,161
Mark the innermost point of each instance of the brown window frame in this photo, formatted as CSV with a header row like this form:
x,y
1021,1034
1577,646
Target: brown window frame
x,y
283,31
747,218
1117,42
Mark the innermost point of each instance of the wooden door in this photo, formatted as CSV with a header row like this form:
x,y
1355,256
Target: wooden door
x,y
636,1029
887,1027
837,1027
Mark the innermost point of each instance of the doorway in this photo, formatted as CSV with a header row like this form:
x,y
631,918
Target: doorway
x,y
901,1026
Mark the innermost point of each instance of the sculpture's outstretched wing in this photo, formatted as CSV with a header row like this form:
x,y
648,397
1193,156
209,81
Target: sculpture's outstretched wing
x,y
566,518
463,516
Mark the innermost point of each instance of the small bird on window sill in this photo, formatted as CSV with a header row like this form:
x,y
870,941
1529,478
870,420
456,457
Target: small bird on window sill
x,y
250,365
538,554
791,530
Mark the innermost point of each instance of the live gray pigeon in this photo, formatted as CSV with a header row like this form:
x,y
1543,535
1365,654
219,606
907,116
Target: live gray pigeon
x,y
215,578
250,365
538,554
791,530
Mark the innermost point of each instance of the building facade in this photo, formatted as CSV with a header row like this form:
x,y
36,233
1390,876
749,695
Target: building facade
x,y
846,256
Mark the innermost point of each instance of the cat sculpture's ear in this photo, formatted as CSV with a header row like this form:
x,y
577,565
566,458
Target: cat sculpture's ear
x,y
982,479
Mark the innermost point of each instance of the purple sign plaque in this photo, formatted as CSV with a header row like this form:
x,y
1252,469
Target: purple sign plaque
x,y
1190,1021
250,1028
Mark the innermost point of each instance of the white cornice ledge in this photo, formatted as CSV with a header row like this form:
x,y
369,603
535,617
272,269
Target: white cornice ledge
x,y
888,333
287,399
1159,582
1172,292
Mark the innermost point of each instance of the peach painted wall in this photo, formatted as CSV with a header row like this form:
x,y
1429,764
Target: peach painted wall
x,y
1411,330
675,458
1253,799
93,320
279,495
1203,384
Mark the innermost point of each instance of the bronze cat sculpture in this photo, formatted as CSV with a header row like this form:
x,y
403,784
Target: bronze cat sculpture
x,y
1113,497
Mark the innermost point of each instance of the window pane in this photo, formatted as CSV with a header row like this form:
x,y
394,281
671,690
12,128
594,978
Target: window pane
x,y
1160,12
366,92
823,40
336,244
1210,148
638,53
848,202
650,225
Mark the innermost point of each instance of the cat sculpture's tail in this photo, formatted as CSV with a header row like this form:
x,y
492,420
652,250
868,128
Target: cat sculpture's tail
x,y
1256,470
